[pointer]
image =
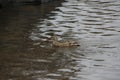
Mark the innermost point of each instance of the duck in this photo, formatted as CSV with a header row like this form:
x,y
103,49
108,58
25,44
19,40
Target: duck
x,y
57,43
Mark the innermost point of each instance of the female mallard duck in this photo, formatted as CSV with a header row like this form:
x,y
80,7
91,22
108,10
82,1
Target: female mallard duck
x,y
57,43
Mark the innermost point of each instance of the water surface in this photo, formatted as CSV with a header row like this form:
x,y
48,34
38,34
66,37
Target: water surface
x,y
25,53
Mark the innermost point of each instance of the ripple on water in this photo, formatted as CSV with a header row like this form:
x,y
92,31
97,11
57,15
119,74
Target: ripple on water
x,y
95,24
65,70
53,75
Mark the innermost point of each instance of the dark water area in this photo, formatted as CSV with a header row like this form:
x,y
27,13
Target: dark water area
x,y
26,54
16,24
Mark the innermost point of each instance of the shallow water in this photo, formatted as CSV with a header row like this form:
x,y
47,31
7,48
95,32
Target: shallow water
x,y
26,54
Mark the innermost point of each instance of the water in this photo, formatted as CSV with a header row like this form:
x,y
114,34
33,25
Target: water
x,y
25,53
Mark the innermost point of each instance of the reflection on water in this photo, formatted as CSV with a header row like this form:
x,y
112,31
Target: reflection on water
x,y
26,53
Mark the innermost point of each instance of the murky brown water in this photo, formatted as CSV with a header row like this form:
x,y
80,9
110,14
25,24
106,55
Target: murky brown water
x,y
26,55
